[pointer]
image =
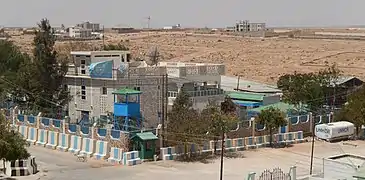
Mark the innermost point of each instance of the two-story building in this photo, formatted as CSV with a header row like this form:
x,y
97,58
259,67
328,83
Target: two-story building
x,y
94,76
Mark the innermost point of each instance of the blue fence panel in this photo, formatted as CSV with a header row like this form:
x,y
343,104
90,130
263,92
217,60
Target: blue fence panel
x,y
57,123
72,127
102,132
317,119
31,119
326,118
303,118
115,134
85,129
293,120
45,121
21,117
259,127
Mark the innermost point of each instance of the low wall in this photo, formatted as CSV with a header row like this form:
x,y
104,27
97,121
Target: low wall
x,y
21,167
238,144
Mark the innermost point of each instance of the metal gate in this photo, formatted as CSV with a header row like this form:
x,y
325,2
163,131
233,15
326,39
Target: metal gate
x,y
275,174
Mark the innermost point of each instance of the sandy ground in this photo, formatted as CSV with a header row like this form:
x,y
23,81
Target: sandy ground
x,y
262,60
62,165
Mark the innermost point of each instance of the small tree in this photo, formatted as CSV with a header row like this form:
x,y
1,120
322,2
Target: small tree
x,y
272,119
12,144
354,110
115,47
183,122
219,120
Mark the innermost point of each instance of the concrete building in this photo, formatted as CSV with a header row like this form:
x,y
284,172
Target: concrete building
x,y
78,32
246,26
94,27
91,86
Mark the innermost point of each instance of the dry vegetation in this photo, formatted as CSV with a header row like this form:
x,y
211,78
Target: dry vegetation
x,y
262,60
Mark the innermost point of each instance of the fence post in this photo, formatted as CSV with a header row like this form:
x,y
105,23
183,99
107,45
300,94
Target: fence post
x,y
38,123
14,114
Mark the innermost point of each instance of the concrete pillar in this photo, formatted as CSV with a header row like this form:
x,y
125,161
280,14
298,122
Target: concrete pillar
x,y
251,176
38,123
293,173
311,121
14,114
179,86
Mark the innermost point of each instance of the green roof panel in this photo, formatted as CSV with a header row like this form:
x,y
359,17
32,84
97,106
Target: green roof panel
x,y
246,96
280,105
126,91
145,136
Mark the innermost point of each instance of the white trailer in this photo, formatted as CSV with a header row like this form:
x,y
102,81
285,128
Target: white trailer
x,y
335,131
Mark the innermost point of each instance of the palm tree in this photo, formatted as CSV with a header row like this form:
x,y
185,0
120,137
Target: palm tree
x,y
272,119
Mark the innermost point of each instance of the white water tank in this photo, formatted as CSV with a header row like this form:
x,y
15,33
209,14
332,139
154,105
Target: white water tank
x,y
336,130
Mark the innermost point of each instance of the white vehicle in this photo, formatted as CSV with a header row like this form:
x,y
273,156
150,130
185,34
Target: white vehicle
x,y
335,131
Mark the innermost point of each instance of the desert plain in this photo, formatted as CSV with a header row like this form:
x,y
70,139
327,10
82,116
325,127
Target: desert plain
x,y
258,59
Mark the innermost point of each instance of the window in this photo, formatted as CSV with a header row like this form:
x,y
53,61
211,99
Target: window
x,y
83,92
137,88
128,57
83,71
83,61
104,91
65,87
122,59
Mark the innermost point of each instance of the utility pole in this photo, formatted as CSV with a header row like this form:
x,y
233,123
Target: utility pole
x,y
103,37
222,156
166,101
162,113
238,83
312,153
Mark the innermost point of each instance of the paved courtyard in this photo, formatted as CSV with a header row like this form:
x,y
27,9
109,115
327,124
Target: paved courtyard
x,y
62,165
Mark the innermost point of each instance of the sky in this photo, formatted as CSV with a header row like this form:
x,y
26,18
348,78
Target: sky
x,y
188,13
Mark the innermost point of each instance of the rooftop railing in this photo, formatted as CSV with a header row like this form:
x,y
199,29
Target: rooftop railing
x,y
209,92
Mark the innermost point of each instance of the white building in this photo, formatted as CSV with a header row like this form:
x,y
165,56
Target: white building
x,y
92,95
94,27
78,32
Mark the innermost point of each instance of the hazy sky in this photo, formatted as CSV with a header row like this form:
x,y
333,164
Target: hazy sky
x,y
189,13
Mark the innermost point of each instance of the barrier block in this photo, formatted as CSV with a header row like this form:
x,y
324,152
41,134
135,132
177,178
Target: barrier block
x,y
42,137
131,158
32,135
249,143
289,138
75,144
52,140
300,137
101,150
115,155
169,157
206,147
64,142
239,144
15,128
267,140
23,130
279,138
260,141
88,146
22,167
228,145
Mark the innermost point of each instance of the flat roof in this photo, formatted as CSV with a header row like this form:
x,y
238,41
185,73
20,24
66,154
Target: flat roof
x,y
126,91
229,83
95,52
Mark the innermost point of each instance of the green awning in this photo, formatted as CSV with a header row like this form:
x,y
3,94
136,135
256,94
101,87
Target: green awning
x,y
280,105
145,136
246,96
126,91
